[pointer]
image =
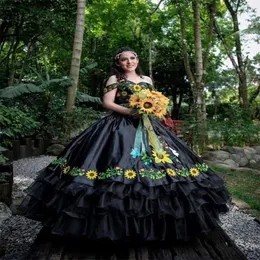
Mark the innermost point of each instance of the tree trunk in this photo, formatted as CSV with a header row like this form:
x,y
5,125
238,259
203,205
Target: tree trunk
x,y
11,70
76,55
198,89
241,64
150,51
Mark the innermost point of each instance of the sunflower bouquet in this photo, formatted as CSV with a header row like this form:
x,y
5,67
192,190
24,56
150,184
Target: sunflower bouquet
x,y
149,102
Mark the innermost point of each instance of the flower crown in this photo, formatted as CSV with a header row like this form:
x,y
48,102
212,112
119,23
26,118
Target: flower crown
x,y
118,55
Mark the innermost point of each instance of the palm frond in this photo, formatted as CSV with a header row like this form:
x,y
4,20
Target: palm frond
x,y
82,97
2,149
66,82
20,89
85,70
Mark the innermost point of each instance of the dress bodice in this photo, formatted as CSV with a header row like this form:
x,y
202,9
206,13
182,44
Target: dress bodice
x,y
125,89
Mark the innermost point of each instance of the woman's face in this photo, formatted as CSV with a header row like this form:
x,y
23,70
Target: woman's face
x,y
128,61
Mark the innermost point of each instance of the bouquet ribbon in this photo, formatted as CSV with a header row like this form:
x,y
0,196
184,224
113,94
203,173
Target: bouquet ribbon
x,y
140,143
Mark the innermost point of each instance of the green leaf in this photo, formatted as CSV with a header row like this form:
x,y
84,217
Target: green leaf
x,y
82,97
17,90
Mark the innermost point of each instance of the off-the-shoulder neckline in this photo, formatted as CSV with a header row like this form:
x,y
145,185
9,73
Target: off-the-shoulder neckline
x,y
115,83
138,82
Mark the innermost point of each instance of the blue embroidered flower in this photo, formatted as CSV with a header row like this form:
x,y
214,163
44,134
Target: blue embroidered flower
x,y
135,153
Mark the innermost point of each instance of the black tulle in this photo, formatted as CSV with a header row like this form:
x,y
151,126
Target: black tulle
x,y
121,208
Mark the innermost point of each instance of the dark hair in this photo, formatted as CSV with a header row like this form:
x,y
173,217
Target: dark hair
x,y
116,70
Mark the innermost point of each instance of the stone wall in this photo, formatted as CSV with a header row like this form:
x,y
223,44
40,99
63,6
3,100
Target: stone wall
x,y
235,157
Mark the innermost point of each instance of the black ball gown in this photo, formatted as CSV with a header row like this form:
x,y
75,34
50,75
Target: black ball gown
x,y
102,187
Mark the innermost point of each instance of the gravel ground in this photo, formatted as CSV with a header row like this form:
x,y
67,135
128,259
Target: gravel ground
x,y
18,233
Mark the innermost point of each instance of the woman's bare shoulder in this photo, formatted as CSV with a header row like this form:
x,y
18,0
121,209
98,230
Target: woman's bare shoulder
x,y
112,79
148,79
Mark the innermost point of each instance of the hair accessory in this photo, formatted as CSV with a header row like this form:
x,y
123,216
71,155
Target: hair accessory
x,y
118,55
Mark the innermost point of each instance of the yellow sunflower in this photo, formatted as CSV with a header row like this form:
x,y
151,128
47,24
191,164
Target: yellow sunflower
x,y
91,174
66,169
130,174
161,157
157,94
194,172
145,93
147,105
171,172
136,87
159,112
134,100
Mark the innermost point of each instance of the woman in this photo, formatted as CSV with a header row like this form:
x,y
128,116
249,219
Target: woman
x,y
101,187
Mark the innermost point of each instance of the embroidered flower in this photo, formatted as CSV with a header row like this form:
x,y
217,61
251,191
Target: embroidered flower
x,y
91,174
124,93
130,174
171,172
137,88
161,157
66,169
135,153
194,172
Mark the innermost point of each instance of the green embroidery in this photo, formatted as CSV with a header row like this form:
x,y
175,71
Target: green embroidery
x,y
152,174
110,87
59,162
146,159
183,172
202,167
76,172
117,171
110,172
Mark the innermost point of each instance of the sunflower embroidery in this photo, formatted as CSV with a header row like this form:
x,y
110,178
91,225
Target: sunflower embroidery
x,y
91,174
171,172
130,174
136,88
124,93
66,169
161,157
147,105
194,172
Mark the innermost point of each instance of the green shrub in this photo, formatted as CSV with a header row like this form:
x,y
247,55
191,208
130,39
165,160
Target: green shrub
x,y
234,127
15,124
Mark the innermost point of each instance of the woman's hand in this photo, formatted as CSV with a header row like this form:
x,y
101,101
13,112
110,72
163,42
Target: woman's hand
x,y
135,114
